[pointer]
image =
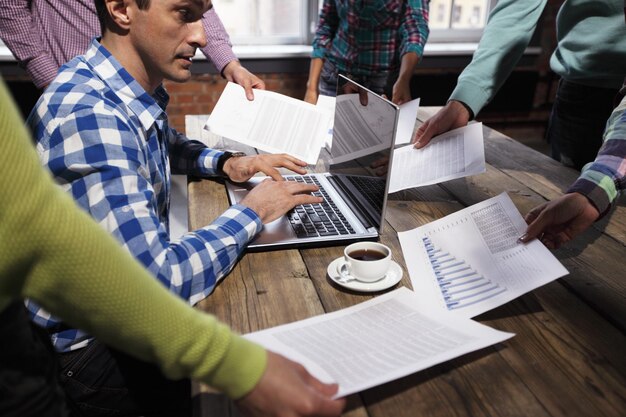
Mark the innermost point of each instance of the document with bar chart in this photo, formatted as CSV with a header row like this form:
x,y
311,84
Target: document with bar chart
x,y
470,262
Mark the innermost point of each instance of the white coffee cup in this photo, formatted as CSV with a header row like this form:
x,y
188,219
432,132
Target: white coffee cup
x,y
364,261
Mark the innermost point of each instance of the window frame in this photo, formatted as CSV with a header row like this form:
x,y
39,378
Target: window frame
x,y
309,21
460,35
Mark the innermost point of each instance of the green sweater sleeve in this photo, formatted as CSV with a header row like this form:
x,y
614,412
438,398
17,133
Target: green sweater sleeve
x,y
506,36
54,253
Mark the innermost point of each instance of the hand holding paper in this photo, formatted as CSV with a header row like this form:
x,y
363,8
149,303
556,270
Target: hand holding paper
x,y
471,261
272,122
454,154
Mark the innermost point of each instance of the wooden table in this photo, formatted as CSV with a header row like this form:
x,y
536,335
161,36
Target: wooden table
x,y
569,355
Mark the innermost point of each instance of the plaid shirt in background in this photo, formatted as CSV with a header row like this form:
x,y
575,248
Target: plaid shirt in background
x,y
45,34
369,37
108,142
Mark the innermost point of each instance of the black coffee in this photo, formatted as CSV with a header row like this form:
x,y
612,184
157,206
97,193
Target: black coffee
x,y
367,255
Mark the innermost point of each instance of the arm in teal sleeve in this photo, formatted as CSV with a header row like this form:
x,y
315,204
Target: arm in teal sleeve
x,y
507,34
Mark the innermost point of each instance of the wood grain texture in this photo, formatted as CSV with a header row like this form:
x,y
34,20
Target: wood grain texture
x,y
568,356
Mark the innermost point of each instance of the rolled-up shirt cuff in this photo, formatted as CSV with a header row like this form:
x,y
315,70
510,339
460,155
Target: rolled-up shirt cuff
x,y
42,70
595,193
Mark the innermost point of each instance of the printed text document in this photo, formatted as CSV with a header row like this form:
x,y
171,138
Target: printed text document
x,y
272,122
377,341
454,154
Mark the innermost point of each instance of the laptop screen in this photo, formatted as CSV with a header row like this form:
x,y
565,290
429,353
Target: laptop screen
x,y
363,137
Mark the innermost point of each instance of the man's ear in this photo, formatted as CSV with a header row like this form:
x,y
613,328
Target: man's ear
x,y
119,12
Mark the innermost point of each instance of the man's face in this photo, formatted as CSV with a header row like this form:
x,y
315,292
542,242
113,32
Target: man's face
x,y
166,36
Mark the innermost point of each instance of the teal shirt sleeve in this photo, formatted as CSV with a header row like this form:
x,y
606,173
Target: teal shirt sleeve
x,y
507,34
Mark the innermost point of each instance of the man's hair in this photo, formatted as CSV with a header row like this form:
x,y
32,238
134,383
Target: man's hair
x,y
103,13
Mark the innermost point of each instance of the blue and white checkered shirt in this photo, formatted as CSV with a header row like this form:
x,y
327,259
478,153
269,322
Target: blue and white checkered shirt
x,y
107,141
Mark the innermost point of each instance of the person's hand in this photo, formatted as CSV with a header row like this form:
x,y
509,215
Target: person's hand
x,y
271,199
236,73
287,389
311,96
401,92
452,115
240,169
380,166
561,220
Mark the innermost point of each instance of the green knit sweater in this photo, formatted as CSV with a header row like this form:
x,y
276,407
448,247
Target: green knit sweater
x,y
52,252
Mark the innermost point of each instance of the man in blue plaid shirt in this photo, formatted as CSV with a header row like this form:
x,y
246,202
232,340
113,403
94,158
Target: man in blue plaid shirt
x,y
101,128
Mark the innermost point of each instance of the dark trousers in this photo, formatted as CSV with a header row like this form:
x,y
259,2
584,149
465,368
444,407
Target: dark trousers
x,y
380,83
100,381
29,383
577,122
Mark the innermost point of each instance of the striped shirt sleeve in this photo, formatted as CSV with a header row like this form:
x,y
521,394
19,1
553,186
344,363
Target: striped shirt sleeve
x,y
602,180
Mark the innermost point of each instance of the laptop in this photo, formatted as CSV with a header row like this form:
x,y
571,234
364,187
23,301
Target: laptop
x,y
356,184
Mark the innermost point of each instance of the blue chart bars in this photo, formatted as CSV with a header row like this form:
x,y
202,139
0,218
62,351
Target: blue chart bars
x,y
460,284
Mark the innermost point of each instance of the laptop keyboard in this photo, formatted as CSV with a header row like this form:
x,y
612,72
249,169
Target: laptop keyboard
x,y
324,219
371,188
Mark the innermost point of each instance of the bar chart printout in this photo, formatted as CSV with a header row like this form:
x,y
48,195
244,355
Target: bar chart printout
x,y
459,283
470,261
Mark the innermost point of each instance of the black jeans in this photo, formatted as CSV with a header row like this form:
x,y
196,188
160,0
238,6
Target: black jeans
x,y
577,122
100,381
29,383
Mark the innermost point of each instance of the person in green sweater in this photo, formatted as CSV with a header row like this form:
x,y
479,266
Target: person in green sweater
x,y
54,253
590,59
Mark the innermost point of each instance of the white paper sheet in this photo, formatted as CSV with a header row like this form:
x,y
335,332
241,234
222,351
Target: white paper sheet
x,y
272,122
406,121
455,154
328,103
377,341
470,261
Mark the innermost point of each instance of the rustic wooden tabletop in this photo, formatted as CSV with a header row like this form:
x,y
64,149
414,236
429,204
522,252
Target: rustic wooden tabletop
x,y
569,355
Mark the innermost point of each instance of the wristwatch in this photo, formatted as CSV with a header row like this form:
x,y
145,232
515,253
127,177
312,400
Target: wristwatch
x,y
225,157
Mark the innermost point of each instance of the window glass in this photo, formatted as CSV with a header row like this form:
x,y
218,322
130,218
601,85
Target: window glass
x,y
264,21
251,22
458,14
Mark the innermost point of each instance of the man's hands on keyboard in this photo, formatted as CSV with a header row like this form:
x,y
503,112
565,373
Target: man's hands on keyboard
x,y
312,220
272,199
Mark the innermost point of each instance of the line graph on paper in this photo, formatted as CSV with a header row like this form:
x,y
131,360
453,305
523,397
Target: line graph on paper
x,y
460,284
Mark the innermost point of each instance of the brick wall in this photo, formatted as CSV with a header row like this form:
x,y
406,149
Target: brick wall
x,y
199,95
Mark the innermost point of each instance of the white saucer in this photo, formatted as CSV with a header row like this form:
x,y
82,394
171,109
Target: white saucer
x,y
394,275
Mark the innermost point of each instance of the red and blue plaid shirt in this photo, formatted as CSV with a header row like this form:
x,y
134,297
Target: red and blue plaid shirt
x,y
369,37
